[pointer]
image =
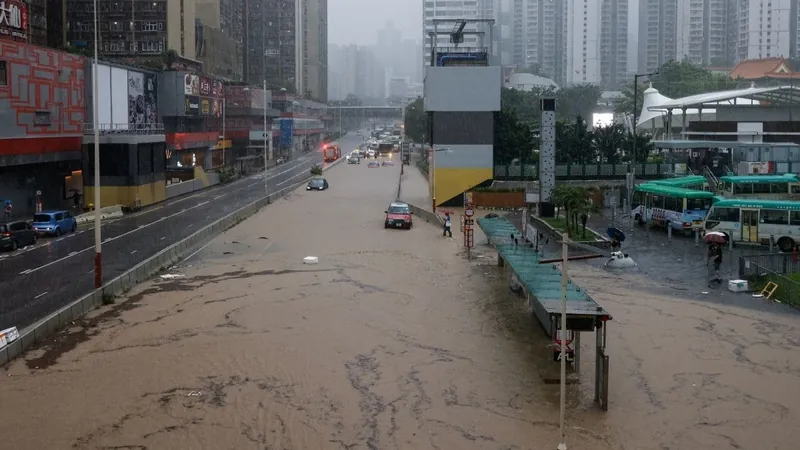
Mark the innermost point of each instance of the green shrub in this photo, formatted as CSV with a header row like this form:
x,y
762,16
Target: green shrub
x,y
226,175
316,169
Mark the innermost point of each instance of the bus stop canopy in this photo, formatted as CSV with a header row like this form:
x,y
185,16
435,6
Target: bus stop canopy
x,y
542,281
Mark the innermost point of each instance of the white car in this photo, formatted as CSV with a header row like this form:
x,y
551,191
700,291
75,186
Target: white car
x,y
370,153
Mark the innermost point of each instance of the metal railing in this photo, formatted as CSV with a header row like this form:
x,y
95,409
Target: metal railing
x,y
124,129
642,171
762,269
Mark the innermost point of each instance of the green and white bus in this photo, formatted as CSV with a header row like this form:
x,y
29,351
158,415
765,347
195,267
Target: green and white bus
x,y
755,221
678,208
767,187
695,182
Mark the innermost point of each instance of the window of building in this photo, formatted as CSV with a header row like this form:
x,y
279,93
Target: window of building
x,y
41,118
3,74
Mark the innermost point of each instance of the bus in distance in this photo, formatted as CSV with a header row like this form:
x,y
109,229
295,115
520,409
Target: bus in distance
x,y
768,187
681,209
756,221
696,182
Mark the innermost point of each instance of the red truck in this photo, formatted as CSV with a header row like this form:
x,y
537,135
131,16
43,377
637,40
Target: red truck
x,y
331,152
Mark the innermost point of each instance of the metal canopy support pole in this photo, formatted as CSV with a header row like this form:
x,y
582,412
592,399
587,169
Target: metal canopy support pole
x,y
563,335
266,144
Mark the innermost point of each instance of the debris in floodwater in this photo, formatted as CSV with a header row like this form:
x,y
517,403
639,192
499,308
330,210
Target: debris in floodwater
x,y
227,253
310,260
705,292
194,394
262,237
172,276
234,242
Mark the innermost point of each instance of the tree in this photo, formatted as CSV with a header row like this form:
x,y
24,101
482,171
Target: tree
x,y
577,101
512,138
574,142
574,200
676,80
610,140
416,121
644,148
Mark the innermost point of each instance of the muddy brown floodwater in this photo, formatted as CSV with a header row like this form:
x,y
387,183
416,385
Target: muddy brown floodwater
x,y
393,341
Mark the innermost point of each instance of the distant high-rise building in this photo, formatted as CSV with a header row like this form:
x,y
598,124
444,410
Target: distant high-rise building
x,y
315,49
355,70
159,25
657,34
613,43
702,32
477,34
766,28
547,24
220,37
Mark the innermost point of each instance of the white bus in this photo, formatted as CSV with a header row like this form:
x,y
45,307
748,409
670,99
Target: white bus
x,y
755,221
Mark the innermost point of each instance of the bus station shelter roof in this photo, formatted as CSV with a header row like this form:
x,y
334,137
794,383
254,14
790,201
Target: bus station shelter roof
x,y
542,281
776,95
702,144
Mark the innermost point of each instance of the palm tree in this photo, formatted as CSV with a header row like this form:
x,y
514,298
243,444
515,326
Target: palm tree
x,y
574,200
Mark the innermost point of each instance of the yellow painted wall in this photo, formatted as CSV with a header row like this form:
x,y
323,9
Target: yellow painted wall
x,y
451,182
200,174
126,195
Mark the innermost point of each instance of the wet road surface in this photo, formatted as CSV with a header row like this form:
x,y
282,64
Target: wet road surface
x,y
35,282
392,341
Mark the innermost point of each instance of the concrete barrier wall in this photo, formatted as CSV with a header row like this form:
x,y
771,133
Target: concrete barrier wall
x,y
186,187
426,215
162,260
109,212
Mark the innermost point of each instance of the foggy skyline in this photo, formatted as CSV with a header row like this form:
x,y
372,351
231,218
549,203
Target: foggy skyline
x,y
358,21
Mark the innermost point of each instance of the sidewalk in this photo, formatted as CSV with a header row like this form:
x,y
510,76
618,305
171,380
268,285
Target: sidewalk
x,y
414,190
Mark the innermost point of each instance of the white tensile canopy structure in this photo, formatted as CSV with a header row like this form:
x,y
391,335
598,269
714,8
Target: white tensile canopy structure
x,y
657,107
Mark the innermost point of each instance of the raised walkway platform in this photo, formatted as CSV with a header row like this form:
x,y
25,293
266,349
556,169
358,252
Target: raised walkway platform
x,y
542,288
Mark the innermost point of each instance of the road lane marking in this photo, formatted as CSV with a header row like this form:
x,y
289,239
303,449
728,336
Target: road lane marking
x,y
163,238
197,251
113,238
40,295
300,162
134,251
219,196
263,251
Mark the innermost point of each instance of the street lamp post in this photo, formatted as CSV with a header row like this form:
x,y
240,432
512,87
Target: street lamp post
x,y
98,238
266,183
633,127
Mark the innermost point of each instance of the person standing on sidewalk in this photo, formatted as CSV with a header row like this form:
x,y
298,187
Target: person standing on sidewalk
x,y
7,210
447,225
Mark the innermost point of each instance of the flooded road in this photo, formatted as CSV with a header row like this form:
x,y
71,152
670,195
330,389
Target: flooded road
x,y
392,341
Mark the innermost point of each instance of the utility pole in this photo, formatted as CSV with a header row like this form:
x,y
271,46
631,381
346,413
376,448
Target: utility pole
x,y
563,357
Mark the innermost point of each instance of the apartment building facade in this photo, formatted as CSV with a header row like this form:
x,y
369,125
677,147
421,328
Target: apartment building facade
x,y
220,37
658,35
133,29
451,11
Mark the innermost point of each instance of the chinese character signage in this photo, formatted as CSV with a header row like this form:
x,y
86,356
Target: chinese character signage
x,y
205,86
13,19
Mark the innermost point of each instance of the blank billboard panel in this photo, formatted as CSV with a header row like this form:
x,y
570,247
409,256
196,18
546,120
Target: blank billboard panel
x,y
119,98
103,94
464,156
452,89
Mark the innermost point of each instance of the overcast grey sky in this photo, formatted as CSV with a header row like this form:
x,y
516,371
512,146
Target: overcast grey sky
x,y
358,21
